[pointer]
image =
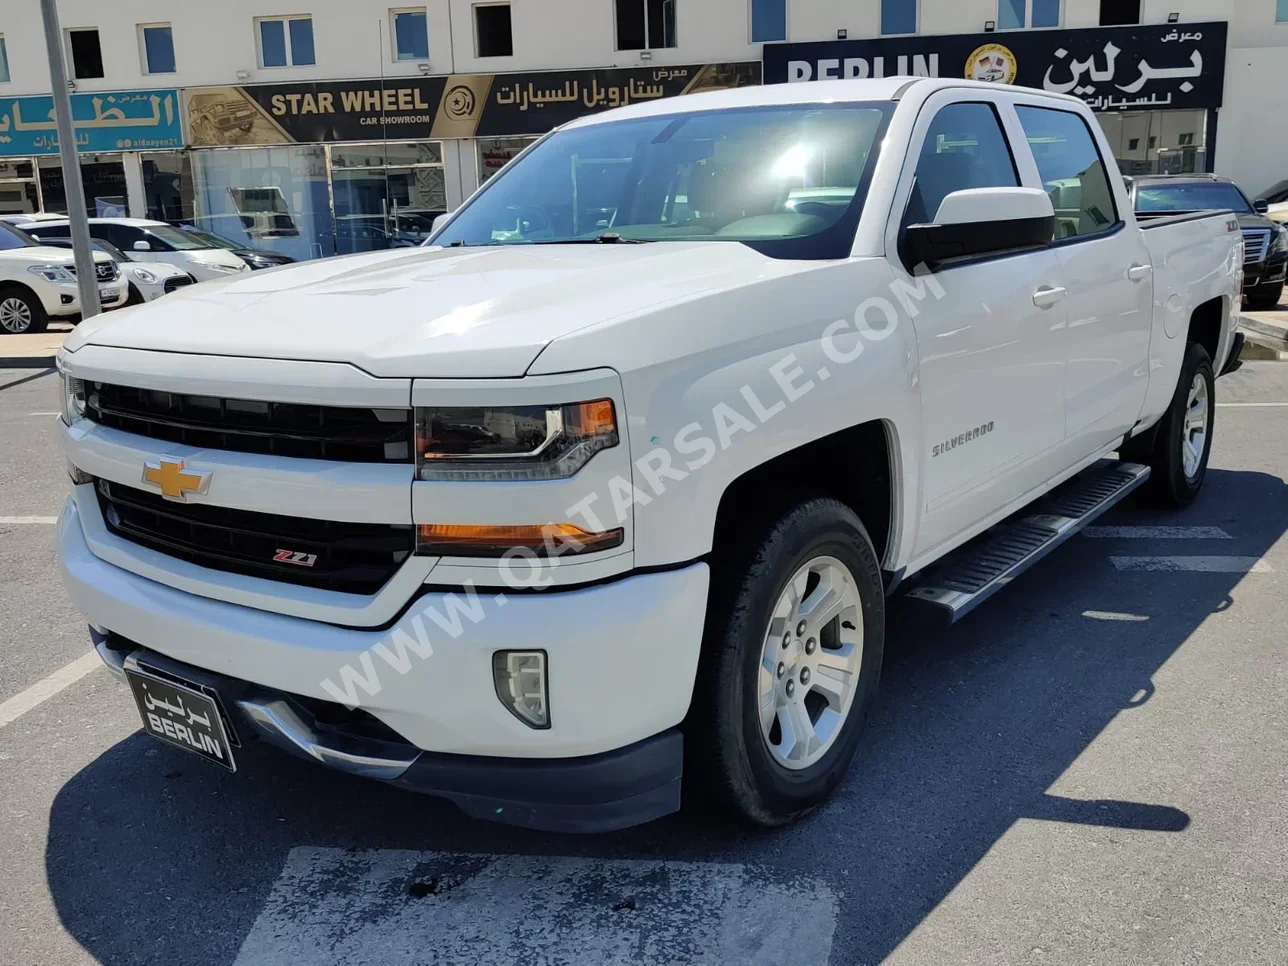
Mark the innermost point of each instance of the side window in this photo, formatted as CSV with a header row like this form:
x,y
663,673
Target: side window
x,y
124,236
965,147
102,232
1072,171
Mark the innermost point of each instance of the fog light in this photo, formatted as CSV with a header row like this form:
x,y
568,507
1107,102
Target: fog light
x,y
77,474
520,679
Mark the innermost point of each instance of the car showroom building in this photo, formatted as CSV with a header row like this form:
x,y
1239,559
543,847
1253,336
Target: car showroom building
x,y
346,126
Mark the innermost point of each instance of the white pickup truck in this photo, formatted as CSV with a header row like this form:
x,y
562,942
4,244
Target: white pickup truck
x,y
611,482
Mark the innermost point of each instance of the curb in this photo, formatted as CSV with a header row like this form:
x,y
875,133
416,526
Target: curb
x,y
27,362
1263,340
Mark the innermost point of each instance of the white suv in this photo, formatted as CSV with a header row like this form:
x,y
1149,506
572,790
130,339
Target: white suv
x,y
155,241
38,283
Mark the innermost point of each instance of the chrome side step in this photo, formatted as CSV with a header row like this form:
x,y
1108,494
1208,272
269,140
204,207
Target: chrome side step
x,y
984,566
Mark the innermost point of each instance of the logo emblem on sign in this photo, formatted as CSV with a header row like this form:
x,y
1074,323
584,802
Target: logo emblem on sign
x,y
459,102
174,480
993,63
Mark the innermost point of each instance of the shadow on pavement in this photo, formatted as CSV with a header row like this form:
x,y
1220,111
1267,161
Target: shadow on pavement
x,y
155,856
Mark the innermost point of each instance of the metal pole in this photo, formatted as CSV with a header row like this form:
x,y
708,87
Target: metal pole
x,y
82,251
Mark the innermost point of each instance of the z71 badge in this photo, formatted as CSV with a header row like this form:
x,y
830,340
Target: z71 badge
x,y
296,557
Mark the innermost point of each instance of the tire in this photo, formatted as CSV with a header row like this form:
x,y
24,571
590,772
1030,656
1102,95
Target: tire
x,y
730,756
1265,298
21,312
1172,482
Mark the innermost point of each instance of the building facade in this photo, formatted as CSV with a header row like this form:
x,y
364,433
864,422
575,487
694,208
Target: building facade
x,y
331,126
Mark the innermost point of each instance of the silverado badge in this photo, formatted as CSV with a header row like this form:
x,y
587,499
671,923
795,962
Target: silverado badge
x,y
174,481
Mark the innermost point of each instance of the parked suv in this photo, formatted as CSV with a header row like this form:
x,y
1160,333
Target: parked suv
x,y
1265,253
38,283
155,241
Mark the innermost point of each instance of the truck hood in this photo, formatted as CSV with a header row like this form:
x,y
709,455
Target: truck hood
x,y
425,312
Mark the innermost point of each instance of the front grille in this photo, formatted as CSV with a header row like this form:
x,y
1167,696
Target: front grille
x,y
1256,241
106,271
245,426
177,281
355,558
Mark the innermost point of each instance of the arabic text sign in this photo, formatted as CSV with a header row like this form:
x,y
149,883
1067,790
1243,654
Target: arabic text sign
x,y
1110,68
106,121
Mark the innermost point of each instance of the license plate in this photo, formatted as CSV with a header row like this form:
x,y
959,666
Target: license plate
x,y
181,716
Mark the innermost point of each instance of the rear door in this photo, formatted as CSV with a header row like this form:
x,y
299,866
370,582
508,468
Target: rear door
x,y
1107,270
991,362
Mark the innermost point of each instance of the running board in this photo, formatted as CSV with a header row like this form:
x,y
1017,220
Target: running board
x,y
971,575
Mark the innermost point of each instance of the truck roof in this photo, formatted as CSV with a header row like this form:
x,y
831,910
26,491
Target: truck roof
x,y
811,92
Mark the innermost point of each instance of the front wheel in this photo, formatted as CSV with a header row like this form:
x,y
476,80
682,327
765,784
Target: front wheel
x,y
21,312
794,640
1178,458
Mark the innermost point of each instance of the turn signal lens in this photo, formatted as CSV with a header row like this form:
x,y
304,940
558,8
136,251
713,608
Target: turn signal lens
x,y
520,681
547,540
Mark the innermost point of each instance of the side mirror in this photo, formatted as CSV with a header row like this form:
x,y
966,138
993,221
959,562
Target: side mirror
x,y
141,246
1261,207
981,221
440,221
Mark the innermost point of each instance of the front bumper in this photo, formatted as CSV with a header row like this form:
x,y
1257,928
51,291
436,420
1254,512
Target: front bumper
x,y
63,298
594,793
1269,272
621,656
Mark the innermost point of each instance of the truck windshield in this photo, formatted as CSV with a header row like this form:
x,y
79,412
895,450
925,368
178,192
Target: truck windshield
x,y
1191,196
789,181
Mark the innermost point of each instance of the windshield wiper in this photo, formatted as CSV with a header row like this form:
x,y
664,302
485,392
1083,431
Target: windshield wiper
x,y
607,238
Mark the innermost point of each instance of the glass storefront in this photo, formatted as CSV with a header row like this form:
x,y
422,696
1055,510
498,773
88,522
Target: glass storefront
x,y
102,177
167,185
19,188
1158,142
386,194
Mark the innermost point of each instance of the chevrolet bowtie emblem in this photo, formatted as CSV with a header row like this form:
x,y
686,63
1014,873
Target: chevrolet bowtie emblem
x,y
175,481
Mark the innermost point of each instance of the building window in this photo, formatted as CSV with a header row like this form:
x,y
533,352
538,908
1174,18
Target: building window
x,y
87,55
1185,139
898,16
157,42
1115,12
286,42
1133,144
4,62
493,34
1153,140
645,24
1281,11
1016,14
411,34
769,20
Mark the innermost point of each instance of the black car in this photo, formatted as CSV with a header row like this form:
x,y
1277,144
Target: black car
x,y
1265,257
254,257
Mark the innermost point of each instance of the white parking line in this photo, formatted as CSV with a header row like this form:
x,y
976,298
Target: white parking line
x,y
1110,615
396,907
1156,533
1205,565
45,520
46,688
1268,405
44,414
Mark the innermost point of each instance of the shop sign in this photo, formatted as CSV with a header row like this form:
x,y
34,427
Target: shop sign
x,y
459,106
108,121
1110,68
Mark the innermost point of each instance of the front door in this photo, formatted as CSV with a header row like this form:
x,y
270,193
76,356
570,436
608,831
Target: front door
x,y
1107,271
990,349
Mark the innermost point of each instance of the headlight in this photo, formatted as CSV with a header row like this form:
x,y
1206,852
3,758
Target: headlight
x,y
512,443
73,398
1278,241
143,275
53,273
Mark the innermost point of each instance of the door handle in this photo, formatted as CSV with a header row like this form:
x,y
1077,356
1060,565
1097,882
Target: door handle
x,y
1046,296
1138,272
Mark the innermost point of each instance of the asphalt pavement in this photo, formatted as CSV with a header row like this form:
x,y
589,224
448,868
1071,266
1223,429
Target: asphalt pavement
x,y
1092,768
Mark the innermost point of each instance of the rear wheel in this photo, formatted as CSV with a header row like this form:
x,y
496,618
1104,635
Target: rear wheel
x,y
1267,297
1178,455
791,658
21,312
